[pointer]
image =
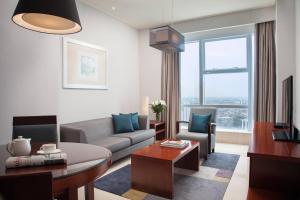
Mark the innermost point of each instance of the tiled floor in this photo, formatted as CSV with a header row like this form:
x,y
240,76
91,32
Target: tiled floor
x,y
236,190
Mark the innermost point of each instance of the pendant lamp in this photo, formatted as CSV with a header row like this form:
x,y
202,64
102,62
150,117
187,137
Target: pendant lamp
x,y
166,38
48,16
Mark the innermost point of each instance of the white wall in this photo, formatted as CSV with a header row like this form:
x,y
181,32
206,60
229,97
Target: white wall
x,y
297,77
31,71
29,67
121,41
150,58
285,46
150,69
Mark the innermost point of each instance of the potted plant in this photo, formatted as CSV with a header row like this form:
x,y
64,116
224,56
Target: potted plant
x,y
157,107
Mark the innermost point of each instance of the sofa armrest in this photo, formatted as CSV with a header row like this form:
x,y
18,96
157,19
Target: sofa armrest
x,y
213,127
178,125
70,134
144,122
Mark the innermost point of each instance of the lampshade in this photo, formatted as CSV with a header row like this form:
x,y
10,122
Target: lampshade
x,y
166,38
48,16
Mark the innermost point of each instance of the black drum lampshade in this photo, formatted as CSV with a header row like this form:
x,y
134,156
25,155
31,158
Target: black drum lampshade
x,y
48,16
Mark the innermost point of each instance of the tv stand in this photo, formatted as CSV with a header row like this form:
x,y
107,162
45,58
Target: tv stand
x,y
274,166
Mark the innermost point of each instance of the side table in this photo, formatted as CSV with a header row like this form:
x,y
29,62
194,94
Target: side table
x,y
160,129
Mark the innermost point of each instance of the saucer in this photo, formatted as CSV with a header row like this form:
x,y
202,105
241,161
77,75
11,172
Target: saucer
x,y
50,152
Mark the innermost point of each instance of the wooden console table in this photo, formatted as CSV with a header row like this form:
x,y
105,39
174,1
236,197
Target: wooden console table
x,y
274,165
160,129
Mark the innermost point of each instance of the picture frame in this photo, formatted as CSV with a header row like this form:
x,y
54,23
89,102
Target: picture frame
x,y
84,65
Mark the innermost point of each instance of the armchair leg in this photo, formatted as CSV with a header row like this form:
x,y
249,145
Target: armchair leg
x,y
205,157
213,150
209,142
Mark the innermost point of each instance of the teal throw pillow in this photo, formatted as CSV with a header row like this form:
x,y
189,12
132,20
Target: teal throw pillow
x,y
122,123
199,123
134,120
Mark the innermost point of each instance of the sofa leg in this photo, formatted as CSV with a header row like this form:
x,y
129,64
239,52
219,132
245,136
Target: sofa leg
x,y
213,150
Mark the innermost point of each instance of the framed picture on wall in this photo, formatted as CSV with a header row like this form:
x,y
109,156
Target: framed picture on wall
x,y
84,65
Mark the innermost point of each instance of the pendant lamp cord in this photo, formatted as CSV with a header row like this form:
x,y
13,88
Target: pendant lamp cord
x,y
172,12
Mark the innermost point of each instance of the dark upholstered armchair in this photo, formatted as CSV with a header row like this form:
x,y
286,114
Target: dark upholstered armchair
x,y
38,128
207,140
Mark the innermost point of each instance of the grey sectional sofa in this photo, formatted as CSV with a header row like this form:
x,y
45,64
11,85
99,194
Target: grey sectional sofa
x,y
101,132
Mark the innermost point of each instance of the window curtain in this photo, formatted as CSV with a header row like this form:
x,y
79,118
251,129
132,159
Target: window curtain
x,y
170,90
265,73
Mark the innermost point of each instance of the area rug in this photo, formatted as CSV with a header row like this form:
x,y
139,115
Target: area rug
x,y
209,183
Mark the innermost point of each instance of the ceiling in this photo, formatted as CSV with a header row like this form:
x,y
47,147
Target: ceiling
x,y
142,14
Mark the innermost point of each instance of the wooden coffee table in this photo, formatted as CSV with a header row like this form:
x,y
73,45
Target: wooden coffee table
x,y
152,167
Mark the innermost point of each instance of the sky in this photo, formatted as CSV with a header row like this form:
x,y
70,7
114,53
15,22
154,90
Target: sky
x,y
218,55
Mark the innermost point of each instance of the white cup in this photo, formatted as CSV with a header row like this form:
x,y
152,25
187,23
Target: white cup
x,y
48,148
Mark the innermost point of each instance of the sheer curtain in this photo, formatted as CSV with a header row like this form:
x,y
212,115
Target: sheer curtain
x,y
265,73
170,90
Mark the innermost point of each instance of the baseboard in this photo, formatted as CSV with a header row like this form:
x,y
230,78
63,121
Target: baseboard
x,y
233,137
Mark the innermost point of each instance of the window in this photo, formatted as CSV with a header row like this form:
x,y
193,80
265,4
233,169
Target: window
x,y
226,54
217,72
190,82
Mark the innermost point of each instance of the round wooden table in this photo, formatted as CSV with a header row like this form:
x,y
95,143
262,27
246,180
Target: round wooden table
x,y
85,163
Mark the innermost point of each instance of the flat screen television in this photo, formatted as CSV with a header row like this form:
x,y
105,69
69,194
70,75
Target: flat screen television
x,y
287,132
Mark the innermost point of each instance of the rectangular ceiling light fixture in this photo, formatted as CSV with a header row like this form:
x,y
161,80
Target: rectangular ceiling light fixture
x,y
166,38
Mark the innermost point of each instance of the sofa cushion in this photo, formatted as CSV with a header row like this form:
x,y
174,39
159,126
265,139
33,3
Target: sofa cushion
x,y
91,130
143,122
113,143
134,120
122,123
192,136
137,136
199,123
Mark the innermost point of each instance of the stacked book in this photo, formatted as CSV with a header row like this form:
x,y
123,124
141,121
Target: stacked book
x,y
36,160
175,143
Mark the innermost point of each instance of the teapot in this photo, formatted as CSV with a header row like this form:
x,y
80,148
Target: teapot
x,y
19,146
